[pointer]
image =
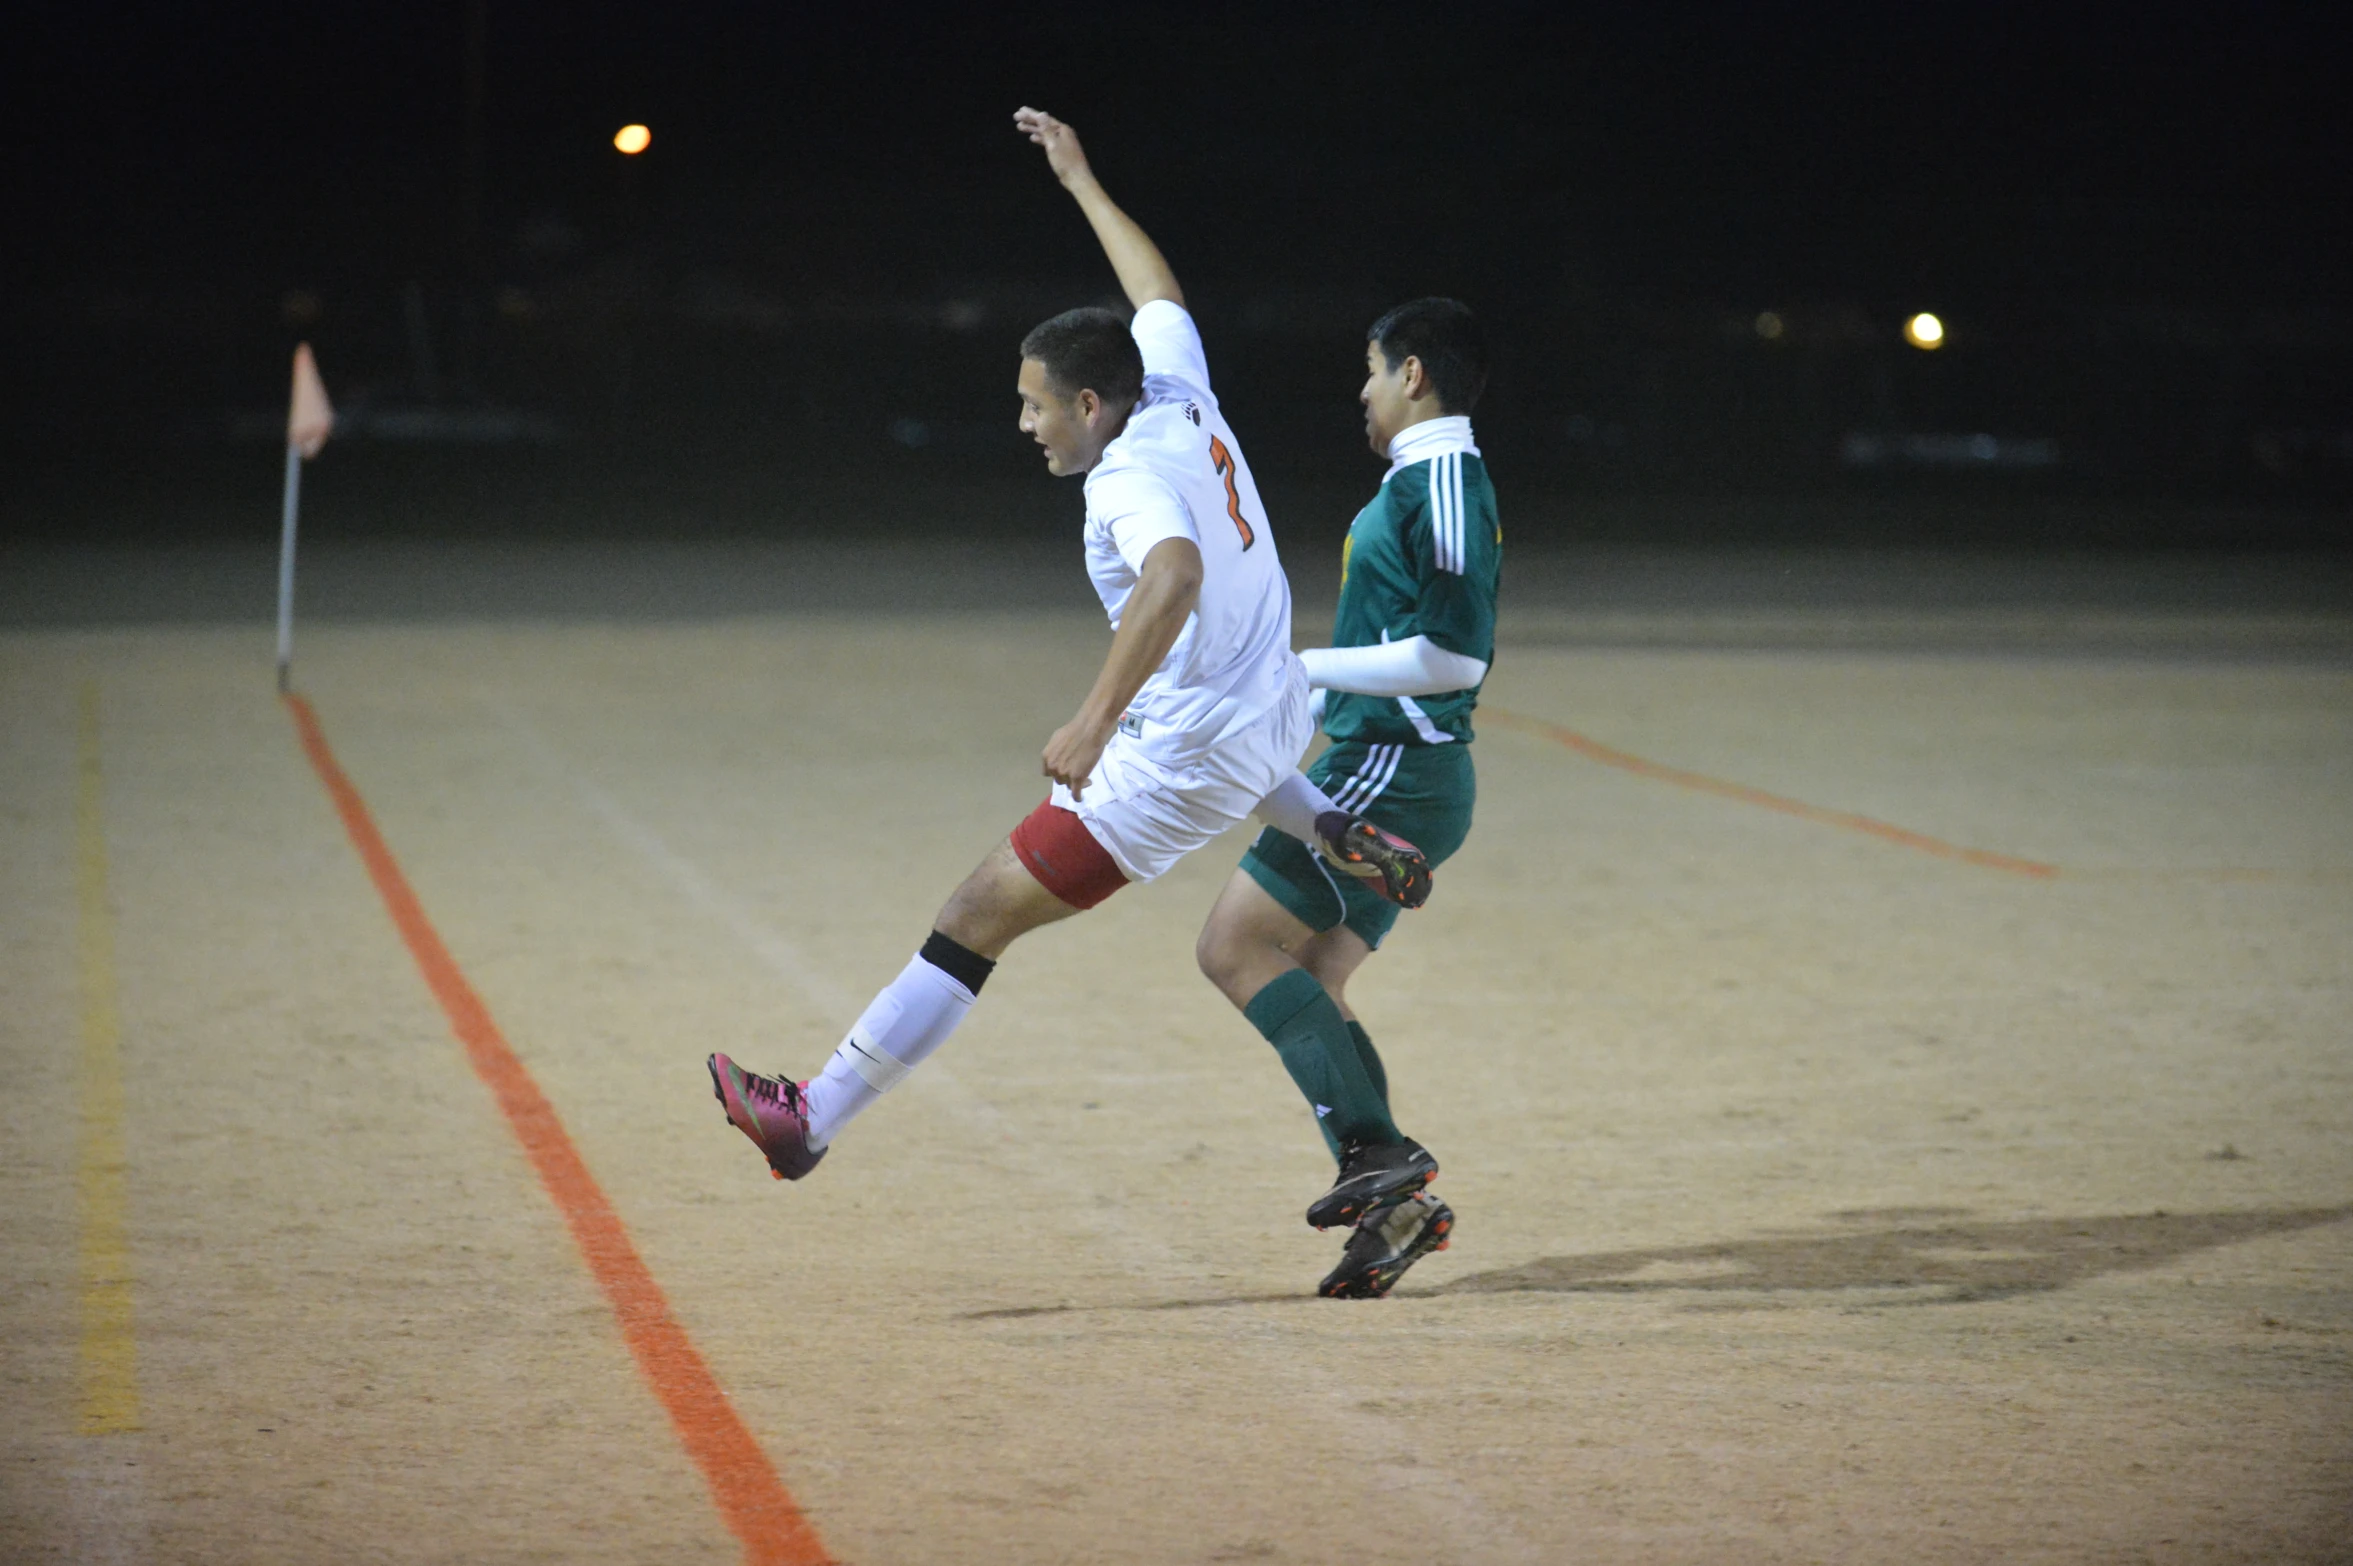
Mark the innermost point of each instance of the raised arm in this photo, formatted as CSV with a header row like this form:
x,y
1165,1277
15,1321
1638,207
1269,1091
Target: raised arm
x,y
1143,271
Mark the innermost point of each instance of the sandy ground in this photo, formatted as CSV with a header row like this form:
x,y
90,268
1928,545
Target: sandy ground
x,y
1820,1199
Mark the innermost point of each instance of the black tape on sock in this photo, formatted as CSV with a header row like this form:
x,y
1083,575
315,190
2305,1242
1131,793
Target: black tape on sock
x,y
959,962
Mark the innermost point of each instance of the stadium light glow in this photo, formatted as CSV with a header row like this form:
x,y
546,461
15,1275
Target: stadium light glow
x,y
1924,331
633,139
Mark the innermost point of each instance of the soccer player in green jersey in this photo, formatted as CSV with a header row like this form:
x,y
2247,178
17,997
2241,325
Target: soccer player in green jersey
x,y
1412,641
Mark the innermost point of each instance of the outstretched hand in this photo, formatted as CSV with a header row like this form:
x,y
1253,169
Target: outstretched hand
x,y
1064,155
1143,271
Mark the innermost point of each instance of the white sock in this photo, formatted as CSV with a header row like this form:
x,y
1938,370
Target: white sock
x,y
912,1016
1293,807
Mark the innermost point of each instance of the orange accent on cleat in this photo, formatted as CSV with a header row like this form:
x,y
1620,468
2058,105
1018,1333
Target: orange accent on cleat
x,y
1389,865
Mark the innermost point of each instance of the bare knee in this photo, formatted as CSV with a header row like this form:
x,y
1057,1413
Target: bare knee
x,y
1245,943
970,918
1214,950
997,904
1238,959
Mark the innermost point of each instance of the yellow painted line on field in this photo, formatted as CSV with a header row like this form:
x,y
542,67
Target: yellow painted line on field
x,y
110,1370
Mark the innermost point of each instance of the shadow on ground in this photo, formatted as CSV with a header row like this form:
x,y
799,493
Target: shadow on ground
x,y
1954,1261
1939,1263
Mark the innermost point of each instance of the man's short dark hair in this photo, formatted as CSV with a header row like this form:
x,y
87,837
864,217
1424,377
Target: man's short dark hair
x,y
1088,349
1445,336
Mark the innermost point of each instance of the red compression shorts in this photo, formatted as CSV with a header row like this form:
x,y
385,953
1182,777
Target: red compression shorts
x,y
1056,847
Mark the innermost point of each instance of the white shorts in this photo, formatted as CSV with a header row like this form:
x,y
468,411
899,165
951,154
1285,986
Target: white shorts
x,y
1148,814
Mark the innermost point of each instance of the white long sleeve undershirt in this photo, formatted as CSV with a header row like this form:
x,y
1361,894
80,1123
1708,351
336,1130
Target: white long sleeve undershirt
x,y
1416,666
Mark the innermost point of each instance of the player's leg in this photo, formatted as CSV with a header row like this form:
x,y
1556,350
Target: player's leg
x,y
1246,949
1333,956
1048,869
1307,914
1429,793
1430,796
1249,942
1357,847
997,904
1388,1239
1003,900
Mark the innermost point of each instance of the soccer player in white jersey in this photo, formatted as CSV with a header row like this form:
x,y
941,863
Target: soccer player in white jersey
x,y
1199,712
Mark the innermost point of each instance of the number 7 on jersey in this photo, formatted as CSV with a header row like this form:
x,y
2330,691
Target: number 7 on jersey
x,y
1223,460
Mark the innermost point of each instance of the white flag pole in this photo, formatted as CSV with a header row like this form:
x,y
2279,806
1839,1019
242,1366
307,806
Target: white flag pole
x,y
310,419
286,568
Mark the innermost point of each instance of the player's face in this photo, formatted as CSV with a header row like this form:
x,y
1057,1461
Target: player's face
x,y
1387,407
1061,426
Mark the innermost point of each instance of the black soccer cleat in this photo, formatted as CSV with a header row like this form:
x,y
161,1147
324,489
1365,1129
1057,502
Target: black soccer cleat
x,y
1383,860
1387,1241
1372,1175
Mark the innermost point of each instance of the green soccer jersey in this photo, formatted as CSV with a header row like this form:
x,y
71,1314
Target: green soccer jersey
x,y
1421,560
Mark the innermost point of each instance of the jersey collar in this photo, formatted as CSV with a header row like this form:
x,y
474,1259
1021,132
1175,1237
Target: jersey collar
x,y
1430,438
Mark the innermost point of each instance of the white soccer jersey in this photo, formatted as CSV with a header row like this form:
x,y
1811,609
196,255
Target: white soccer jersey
x,y
1176,471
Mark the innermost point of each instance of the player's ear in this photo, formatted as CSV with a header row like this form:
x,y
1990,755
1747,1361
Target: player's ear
x,y
1087,404
1416,378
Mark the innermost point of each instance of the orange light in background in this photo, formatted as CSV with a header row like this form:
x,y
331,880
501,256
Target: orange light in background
x,y
1924,331
633,139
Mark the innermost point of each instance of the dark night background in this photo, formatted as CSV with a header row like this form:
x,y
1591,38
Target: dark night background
x,y
796,313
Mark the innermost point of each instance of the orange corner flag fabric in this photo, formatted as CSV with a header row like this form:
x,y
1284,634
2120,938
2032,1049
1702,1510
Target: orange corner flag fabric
x,y
311,418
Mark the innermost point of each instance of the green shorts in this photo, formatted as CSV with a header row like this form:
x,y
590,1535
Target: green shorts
x,y
1423,793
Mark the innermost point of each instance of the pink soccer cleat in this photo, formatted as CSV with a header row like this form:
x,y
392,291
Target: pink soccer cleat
x,y
769,1110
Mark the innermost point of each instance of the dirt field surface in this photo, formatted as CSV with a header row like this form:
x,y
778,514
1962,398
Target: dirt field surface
x,y
1823,1194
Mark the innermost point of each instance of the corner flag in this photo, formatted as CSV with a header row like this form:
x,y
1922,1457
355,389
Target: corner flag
x,y
310,419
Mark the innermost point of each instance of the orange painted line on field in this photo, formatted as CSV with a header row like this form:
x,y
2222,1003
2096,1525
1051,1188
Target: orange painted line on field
x,y
750,1495
1627,761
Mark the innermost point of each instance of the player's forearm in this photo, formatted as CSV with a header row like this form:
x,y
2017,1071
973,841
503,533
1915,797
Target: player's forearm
x,y
1143,272
1416,666
1154,617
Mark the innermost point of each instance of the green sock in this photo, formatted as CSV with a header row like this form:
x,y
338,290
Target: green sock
x,y
1305,1026
1371,1059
